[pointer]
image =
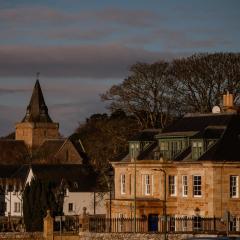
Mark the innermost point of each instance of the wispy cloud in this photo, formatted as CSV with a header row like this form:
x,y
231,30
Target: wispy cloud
x,y
12,90
91,61
29,15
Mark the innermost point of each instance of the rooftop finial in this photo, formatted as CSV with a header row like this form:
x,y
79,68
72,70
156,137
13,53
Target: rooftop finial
x,y
38,74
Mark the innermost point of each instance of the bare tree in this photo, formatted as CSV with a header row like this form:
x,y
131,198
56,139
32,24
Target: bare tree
x,y
200,80
146,94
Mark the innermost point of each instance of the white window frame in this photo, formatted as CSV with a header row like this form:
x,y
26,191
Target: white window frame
x,y
234,186
123,183
196,186
172,186
70,210
130,184
17,207
147,184
184,185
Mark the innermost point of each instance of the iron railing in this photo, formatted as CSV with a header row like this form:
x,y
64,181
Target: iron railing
x,y
156,224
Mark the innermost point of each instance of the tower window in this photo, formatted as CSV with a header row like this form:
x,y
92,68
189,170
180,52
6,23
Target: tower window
x,y
67,155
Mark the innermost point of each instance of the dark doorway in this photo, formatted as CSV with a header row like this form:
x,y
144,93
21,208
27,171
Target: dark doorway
x,y
152,222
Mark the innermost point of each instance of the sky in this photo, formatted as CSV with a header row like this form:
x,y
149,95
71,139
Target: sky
x,y
82,48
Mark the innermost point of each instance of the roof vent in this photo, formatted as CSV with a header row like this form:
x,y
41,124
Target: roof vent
x,y
216,109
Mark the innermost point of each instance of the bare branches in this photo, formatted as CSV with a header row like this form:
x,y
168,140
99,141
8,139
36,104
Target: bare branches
x,y
155,93
144,94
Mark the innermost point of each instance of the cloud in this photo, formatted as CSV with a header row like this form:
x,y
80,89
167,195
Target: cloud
x,y
136,18
11,90
43,14
79,34
172,39
89,61
28,15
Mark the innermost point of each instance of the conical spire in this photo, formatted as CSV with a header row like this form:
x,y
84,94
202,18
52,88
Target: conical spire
x,y
37,110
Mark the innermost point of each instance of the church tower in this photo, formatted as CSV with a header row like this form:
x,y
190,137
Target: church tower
x,y
36,126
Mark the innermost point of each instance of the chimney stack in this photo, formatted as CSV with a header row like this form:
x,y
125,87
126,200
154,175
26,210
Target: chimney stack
x,y
228,103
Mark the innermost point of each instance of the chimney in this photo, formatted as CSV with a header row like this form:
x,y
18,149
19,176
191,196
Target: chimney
x,y
228,103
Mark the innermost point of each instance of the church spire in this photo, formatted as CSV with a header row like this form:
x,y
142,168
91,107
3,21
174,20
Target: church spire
x,y
37,110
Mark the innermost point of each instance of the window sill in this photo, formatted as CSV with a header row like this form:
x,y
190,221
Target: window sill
x,y
197,196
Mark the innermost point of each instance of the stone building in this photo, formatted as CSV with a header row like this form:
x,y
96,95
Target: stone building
x,y
198,159
38,150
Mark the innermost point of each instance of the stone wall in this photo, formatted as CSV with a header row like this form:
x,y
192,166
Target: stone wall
x,y
98,236
215,197
22,236
131,236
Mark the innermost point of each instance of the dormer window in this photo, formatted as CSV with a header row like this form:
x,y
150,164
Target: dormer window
x,y
134,150
197,149
164,146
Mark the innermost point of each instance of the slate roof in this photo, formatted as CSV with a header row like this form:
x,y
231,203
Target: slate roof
x,y
223,127
13,175
77,177
50,147
227,148
37,110
13,152
198,122
210,133
48,150
145,135
14,171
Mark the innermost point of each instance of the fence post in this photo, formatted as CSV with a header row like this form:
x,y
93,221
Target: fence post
x,y
84,221
48,226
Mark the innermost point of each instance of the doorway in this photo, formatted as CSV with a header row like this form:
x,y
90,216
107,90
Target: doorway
x,y
153,222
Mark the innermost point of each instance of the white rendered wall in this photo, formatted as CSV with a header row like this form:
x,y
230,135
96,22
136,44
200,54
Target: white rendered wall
x,y
80,200
11,199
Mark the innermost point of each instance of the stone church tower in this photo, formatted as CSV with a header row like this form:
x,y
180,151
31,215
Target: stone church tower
x,y
36,126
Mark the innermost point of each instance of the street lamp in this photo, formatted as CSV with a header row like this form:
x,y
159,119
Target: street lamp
x,y
134,152
110,175
165,201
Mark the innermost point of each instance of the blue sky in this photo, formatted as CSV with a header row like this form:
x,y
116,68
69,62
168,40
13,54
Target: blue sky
x,y
83,47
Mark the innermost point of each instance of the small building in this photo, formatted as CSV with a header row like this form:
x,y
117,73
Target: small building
x,y
192,166
38,150
76,186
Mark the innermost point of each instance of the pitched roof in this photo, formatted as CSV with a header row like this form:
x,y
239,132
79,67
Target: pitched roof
x,y
37,110
48,150
145,135
14,171
210,133
13,152
13,175
78,177
227,147
223,127
198,122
